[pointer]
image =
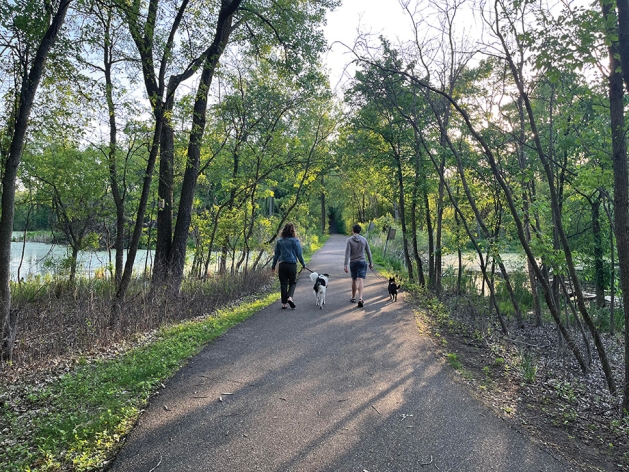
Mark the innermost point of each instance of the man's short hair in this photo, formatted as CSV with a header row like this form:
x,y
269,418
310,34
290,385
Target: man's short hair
x,y
356,229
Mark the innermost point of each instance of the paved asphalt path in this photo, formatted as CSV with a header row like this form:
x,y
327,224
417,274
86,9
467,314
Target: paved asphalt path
x,y
337,389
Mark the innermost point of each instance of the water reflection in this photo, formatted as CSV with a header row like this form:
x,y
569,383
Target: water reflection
x,y
41,258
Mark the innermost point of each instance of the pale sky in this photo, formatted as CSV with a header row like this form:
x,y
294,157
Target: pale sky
x,y
384,17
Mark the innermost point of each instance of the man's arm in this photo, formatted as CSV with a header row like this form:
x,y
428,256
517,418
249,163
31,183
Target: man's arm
x,y
347,251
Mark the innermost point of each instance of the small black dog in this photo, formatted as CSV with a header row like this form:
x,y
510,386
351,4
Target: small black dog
x,y
393,288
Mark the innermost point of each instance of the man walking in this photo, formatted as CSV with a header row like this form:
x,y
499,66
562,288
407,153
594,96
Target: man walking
x,y
355,250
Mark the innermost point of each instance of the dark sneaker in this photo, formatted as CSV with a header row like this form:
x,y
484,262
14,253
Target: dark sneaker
x,y
352,300
360,304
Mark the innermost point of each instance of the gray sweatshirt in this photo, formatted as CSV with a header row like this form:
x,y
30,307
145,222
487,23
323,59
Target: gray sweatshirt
x,y
356,248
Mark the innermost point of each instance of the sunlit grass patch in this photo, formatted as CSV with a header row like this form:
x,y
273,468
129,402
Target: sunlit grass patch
x,y
80,418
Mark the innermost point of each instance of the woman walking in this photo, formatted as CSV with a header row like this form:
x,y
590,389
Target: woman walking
x,y
287,253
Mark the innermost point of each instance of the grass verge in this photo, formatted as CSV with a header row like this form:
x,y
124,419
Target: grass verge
x,y
76,421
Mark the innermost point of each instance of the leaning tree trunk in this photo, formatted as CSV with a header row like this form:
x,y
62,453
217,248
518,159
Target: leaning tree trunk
x,y
526,198
513,211
556,213
400,179
445,139
111,155
470,234
414,218
139,218
491,159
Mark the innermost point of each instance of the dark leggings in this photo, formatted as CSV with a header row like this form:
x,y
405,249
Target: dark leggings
x,y
287,273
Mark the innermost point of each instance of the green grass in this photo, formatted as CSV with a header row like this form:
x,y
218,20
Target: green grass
x,y
454,361
528,366
80,418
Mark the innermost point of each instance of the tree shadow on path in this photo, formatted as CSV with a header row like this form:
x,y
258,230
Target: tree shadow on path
x,y
338,389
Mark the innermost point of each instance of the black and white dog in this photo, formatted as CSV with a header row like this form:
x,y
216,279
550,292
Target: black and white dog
x,y
320,286
393,288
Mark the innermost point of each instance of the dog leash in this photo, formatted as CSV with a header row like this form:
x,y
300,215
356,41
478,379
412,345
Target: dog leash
x,y
376,273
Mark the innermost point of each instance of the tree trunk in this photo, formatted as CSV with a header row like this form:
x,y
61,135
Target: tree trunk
x,y
431,242
459,258
522,161
621,186
514,214
186,200
623,38
142,35
165,185
139,219
11,161
111,155
400,178
505,274
479,252
612,275
439,224
598,252
556,214
74,260
414,218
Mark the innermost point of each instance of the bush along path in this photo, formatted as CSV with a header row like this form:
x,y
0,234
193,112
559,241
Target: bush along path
x,y
525,381
338,389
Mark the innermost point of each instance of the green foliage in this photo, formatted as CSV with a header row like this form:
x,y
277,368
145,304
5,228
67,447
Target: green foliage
x,y
30,216
520,284
565,391
76,195
453,361
528,366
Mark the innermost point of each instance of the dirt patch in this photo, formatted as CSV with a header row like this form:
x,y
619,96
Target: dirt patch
x,y
538,388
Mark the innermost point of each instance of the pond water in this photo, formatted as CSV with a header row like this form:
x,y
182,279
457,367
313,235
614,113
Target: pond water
x,y
41,258
512,261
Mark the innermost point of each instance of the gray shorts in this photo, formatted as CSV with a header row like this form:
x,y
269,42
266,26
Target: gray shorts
x,y
358,269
